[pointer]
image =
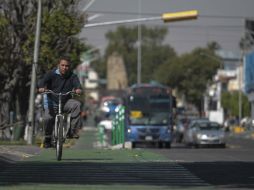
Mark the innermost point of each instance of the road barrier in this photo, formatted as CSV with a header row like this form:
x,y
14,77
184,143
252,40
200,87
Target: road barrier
x,y
101,134
118,125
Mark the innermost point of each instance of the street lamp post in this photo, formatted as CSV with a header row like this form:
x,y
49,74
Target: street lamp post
x,y
166,17
33,77
139,65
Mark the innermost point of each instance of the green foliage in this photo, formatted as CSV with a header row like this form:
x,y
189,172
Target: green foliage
x,y
189,74
125,41
61,22
230,102
58,31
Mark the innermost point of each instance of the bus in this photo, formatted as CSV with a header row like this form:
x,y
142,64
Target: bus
x,y
149,117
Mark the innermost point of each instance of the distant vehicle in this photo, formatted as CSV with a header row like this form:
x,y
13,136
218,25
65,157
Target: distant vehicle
x,y
197,120
107,111
109,103
148,115
205,133
182,124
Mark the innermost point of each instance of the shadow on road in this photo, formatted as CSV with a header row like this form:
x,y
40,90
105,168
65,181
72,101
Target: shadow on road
x,y
90,173
225,174
168,174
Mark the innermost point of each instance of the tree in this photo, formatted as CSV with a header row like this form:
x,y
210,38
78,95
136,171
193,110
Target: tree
x,y
60,23
189,74
230,102
154,53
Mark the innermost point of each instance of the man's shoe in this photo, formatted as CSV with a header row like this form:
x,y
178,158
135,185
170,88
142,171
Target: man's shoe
x,y
74,134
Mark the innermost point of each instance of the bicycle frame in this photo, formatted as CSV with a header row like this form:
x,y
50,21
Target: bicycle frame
x,y
59,131
59,115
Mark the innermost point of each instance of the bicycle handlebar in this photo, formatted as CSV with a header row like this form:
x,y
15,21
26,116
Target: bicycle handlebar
x,y
59,94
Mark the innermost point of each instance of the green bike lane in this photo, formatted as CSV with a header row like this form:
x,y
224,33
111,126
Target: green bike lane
x,y
87,165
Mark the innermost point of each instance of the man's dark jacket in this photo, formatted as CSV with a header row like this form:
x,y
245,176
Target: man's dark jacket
x,y
56,82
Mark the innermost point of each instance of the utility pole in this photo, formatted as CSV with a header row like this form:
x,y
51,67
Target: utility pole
x,y
33,77
139,65
240,88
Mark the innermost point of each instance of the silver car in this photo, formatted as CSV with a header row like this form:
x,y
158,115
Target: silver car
x,y
205,133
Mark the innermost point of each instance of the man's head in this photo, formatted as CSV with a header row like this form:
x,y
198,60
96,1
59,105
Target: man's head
x,y
64,65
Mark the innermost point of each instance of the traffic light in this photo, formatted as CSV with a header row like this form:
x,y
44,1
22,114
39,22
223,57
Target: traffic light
x,y
178,16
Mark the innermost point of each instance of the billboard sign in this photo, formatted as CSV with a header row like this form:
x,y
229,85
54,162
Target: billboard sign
x,y
249,73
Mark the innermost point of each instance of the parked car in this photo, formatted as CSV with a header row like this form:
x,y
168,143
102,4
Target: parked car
x,y
205,133
197,120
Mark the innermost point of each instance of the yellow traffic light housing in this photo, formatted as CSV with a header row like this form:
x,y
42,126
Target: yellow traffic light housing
x,y
178,16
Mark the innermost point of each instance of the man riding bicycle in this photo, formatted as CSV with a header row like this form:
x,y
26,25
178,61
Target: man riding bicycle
x,y
60,80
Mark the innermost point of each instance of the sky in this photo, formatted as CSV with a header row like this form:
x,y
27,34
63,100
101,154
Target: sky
x,y
222,21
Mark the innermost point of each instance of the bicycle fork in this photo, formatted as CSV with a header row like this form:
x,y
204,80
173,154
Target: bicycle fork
x,y
66,125
57,120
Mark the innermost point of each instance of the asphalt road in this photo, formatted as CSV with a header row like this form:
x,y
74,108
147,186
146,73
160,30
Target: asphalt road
x,y
231,167
180,167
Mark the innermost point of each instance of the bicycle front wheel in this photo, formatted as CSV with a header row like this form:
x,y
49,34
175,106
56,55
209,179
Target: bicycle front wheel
x,y
59,141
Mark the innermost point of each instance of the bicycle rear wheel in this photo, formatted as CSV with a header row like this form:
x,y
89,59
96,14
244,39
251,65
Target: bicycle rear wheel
x,y
59,141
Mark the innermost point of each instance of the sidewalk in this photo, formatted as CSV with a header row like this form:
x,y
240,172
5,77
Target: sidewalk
x,y
89,138
12,153
247,134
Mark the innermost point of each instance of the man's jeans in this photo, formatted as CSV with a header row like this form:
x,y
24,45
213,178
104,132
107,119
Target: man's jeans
x,y
72,107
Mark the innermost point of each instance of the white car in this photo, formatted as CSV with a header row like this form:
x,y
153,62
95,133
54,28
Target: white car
x,y
106,123
205,133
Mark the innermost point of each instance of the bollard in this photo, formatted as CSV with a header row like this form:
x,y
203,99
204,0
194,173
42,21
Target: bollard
x,y
113,133
118,127
101,134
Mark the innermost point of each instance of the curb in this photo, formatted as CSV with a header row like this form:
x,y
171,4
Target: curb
x,y
16,153
126,145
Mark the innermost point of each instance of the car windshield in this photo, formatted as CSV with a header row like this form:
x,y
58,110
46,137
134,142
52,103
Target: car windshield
x,y
209,126
149,109
160,103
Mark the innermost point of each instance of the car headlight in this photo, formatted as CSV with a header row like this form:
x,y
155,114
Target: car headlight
x,y
128,130
201,136
105,109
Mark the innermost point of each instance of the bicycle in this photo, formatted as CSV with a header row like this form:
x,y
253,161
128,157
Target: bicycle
x,y
60,130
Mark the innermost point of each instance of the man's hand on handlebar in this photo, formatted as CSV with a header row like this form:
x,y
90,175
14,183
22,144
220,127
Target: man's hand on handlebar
x,y
41,90
78,91
45,90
